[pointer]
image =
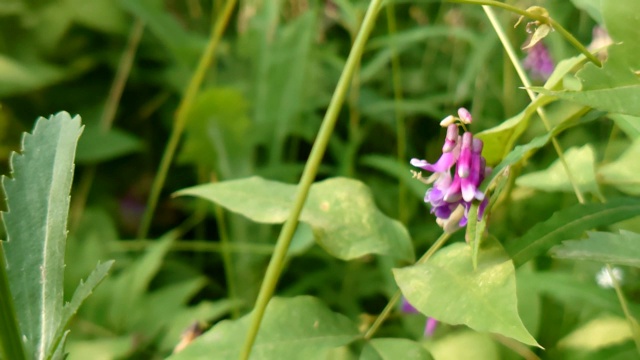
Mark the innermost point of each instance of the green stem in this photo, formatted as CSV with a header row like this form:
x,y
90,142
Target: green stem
x,y
633,323
308,175
543,19
182,115
401,131
394,299
10,340
527,83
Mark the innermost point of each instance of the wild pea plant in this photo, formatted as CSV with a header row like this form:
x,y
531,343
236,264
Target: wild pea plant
x,y
525,225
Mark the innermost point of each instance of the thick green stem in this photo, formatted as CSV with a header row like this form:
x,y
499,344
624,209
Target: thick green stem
x,y
542,19
527,83
182,115
394,299
308,175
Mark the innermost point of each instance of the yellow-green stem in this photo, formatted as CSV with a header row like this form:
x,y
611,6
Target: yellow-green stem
x,y
308,175
527,83
542,19
182,115
633,323
394,299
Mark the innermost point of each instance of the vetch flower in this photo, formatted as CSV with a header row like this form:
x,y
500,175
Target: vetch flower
x,y
539,62
451,196
430,325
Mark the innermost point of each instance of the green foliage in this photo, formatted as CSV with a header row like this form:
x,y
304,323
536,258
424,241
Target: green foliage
x,y
340,212
300,327
527,275
38,205
449,289
604,247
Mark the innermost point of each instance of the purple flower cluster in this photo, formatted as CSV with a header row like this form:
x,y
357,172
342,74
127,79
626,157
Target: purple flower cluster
x,y
451,196
539,62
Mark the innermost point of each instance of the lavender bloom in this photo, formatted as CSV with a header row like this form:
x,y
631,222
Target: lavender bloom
x,y
450,196
539,62
431,324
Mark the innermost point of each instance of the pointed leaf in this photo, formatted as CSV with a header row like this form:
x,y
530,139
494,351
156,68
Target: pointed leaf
x,y
293,328
581,162
621,249
392,348
570,223
341,212
82,293
36,225
623,172
448,289
97,145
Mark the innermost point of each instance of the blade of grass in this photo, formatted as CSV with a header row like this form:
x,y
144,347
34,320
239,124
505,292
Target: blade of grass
x,y
310,170
181,115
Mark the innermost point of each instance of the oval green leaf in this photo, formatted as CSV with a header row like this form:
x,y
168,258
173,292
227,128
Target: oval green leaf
x,y
447,288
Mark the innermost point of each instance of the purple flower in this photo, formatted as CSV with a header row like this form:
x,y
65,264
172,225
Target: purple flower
x,y
450,196
539,62
431,324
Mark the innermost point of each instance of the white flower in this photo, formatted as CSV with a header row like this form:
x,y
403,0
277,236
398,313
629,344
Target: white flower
x,y
604,277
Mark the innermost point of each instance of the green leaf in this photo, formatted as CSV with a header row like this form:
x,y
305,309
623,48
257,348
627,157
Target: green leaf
x,y
623,172
79,296
523,152
581,162
570,223
97,145
499,140
20,77
36,226
465,344
293,328
391,349
573,292
219,133
340,211
448,289
615,87
621,249
598,333
629,124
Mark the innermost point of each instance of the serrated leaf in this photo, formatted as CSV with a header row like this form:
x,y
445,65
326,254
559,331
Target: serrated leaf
x,y
393,348
581,162
292,328
623,172
621,249
570,223
574,292
81,293
36,226
97,145
341,212
448,289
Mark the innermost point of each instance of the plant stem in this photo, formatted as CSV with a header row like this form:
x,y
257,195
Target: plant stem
x,y
10,340
401,131
182,115
394,299
527,83
308,175
543,19
633,323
